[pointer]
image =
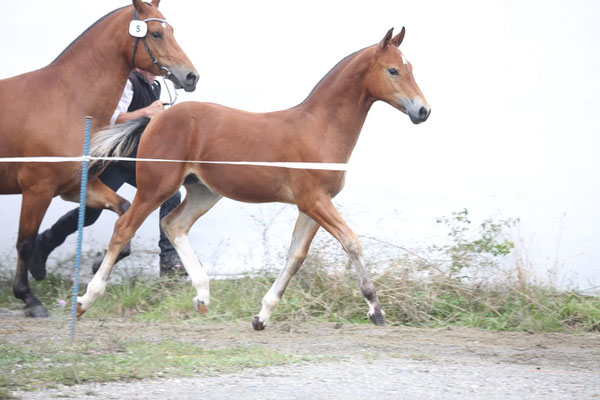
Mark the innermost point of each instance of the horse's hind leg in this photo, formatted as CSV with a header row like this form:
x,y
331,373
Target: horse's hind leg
x,y
198,200
304,232
33,207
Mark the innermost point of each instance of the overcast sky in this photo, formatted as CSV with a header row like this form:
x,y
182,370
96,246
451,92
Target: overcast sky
x,y
513,87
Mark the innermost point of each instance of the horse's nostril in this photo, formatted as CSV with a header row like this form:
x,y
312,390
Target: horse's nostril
x,y
191,77
423,113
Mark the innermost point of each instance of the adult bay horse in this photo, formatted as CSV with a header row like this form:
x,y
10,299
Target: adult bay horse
x,y
42,113
324,128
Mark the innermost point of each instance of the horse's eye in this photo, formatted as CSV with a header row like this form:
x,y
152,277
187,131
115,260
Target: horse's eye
x,y
393,71
156,35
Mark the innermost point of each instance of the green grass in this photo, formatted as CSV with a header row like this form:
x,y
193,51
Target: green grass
x,y
30,366
335,297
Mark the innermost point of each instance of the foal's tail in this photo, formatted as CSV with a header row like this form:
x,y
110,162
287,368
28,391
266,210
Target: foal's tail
x,y
116,141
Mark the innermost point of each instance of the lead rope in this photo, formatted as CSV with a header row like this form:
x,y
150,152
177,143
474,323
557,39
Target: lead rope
x,y
171,99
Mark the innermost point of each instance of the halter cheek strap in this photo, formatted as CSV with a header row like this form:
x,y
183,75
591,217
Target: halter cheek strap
x,y
135,45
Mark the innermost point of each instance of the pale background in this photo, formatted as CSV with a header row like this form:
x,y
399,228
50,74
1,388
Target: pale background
x,y
513,132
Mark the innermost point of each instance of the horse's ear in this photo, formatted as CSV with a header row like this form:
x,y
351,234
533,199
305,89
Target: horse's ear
x,y
139,6
386,40
155,3
398,38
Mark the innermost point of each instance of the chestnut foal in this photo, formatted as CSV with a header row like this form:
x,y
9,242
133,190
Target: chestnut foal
x,y
324,128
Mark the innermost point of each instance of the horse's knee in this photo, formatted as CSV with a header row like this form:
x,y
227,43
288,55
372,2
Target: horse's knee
x,y
25,247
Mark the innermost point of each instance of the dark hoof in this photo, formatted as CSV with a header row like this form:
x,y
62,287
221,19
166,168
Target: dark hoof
x,y
37,311
377,319
257,325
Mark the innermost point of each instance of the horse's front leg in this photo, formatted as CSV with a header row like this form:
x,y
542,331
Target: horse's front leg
x,y
102,196
324,212
304,232
125,228
33,207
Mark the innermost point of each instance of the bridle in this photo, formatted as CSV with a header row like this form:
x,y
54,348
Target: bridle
x,y
143,38
139,31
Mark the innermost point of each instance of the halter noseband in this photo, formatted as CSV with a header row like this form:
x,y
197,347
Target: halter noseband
x,y
143,37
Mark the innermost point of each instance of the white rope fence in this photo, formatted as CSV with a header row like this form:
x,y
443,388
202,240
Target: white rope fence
x,y
291,165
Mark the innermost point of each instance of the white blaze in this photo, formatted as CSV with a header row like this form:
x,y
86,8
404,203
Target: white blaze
x,y
404,59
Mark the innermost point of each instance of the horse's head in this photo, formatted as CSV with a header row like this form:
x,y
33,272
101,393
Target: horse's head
x,y
390,79
156,50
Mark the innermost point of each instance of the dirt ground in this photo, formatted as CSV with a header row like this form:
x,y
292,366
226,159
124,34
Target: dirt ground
x,y
363,360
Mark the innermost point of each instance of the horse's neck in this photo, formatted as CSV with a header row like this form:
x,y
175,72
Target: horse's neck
x,y
341,104
92,72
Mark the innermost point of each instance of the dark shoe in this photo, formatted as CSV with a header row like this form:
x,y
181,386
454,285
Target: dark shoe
x,y
170,264
97,261
99,257
37,262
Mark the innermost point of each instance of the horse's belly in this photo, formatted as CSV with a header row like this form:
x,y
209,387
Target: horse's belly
x,y
250,184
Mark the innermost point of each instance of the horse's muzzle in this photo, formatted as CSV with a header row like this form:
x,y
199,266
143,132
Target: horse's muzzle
x,y
421,116
185,79
416,110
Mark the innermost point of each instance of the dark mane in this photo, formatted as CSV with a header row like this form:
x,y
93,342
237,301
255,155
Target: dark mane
x,y
342,62
86,31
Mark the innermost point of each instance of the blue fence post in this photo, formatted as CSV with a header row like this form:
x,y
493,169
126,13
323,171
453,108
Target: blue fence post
x,y
82,193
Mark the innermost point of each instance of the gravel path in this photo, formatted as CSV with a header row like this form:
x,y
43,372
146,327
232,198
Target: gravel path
x,y
364,361
378,379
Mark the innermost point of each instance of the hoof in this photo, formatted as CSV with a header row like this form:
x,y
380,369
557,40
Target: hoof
x,y
37,311
257,324
377,319
201,307
80,310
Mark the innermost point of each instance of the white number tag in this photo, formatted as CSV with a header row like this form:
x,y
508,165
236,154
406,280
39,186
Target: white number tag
x,y
138,28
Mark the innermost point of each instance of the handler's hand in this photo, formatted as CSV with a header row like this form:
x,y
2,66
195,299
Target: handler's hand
x,y
154,109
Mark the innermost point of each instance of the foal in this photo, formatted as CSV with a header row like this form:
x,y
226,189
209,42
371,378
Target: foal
x,y
323,129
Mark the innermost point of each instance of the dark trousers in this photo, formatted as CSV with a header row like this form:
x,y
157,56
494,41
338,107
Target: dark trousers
x,y
114,176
